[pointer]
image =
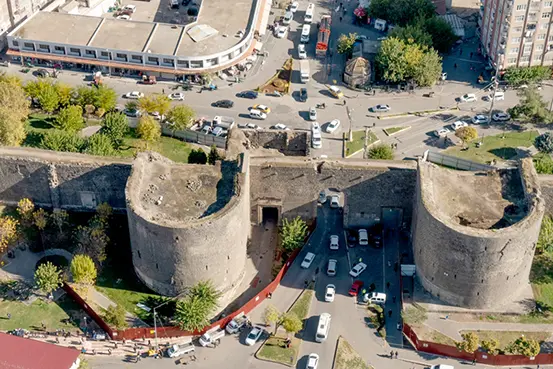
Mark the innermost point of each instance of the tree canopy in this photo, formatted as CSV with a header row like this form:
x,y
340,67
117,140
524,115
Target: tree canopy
x,y
197,156
345,43
517,76
148,129
99,144
58,140
213,155
8,231
48,277
115,125
381,152
291,323
14,109
544,143
116,316
531,107
292,233
83,270
180,117
469,343
523,345
193,312
70,119
401,12
467,134
545,239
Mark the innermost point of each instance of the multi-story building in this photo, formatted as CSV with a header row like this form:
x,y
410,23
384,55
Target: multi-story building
x,y
12,12
517,32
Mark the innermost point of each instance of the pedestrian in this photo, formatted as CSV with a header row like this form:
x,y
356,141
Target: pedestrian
x,y
455,65
471,53
460,51
391,354
341,5
317,270
9,316
109,351
397,354
134,348
389,262
163,91
447,317
305,283
116,345
344,12
388,285
269,295
57,340
390,313
344,99
340,19
93,351
473,361
538,366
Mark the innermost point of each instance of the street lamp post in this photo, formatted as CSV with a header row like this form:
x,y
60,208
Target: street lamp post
x,y
155,314
495,83
350,133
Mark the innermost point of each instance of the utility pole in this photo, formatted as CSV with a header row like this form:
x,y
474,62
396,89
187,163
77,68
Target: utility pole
x,y
155,314
350,133
500,56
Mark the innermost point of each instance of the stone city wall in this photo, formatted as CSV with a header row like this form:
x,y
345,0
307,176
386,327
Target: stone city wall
x,y
289,143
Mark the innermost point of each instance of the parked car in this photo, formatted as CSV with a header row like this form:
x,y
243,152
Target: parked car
x,y
223,104
334,242
294,6
336,92
357,269
124,17
501,117
247,94
333,126
307,260
381,108
280,127
312,361
458,124
468,98
179,96
334,201
253,336
322,197
302,54
130,7
303,95
480,119
442,132
134,95
263,108
330,292
281,32
312,113
355,287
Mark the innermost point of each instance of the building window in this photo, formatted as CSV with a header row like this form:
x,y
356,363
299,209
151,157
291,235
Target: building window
x,y
514,50
121,56
60,49
152,59
519,18
532,15
182,63
105,54
539,47
90,53
537,57
515,40
137,58
74,50
525,59
168,61
517,30
512,60
544,26
550,38
548,4
541,36
521,7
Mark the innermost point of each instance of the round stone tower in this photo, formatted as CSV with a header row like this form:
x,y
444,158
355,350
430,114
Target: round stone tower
x,y
188,223
475,233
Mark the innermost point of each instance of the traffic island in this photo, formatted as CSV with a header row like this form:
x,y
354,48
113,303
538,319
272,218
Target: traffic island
x,y
357,144
275,348
346,357
393,130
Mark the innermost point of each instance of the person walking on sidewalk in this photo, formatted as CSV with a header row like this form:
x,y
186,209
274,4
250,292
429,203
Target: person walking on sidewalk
x,y
397,354
391,354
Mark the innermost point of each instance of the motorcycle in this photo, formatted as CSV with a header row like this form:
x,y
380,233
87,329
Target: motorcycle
x,y
321,106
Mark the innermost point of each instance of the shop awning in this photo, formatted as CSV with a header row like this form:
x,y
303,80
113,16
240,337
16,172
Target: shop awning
x,y
265,18
258,45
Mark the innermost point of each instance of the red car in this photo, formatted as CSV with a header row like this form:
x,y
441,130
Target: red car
x,y
355,287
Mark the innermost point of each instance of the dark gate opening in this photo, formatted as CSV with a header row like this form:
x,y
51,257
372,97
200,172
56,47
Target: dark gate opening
x,y
270,214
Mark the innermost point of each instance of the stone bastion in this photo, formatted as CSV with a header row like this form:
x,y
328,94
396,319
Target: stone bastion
x,y
188,223
475,233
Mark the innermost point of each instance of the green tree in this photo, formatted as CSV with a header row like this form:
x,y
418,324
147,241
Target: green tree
x,y
412,33
70,119
86,96
48,278
116,316
148,129
544,143
14,109
213,155
58,140
441,33
517,76
531,107
40,220
429,68
115,125
381,152
291,323
379,9
83,270
99,144
545,240
91,241
25,209
469,343
345,43
292,233
491,346
390,60
414,315
65,93
105,98
466,134
528,347
154,103
48,98
11,79
59,219
104,212
207,293
8,231
193,312
271,315
180,117
197,157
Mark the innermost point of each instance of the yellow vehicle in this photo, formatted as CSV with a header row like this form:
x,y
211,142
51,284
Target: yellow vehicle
x,y
263,108
336,92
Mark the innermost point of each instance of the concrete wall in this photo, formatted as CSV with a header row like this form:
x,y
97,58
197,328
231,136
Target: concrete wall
x,y
546,186
60,180
469,267
290,143
294,186
170,258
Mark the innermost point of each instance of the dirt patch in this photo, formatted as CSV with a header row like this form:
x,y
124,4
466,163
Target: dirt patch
x,y
347,357
426,333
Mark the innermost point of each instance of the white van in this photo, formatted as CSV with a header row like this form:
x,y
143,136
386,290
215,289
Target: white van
x,y
323,327
257,114
305,31
331,269
499,95
377,298
316,140
288,18
442,366
309,13
363,237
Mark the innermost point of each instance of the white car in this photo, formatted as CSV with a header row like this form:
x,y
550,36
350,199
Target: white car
x,y
312,114
253,336
281,32
302,54
381,108
330,292
459,124
442,132
312,361
480,119
176,96
130,7
501,117
333,126
294,7
124,17
134,95
253,126
468,98
357,269
315,127
322,197
335,201
157,116
280,127
334,242
307,260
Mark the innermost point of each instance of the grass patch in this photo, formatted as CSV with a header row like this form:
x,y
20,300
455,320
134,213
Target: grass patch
x,y
543,163
499,147
541,278
171,148
392,130
507,337
426,333
54,315
275,350
347,357
358,141
302,304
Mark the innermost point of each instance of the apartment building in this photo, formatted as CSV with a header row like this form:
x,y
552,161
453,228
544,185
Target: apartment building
x,y
516,32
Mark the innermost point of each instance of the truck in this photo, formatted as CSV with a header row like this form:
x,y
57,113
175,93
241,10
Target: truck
x,y
212,336
223,122
304,71
180,349
237,323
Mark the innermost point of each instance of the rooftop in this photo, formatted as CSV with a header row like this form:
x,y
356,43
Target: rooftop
x,y
131,35
23,353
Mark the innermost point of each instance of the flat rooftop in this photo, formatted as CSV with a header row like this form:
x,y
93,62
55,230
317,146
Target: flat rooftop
x,y
185,192
137,36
